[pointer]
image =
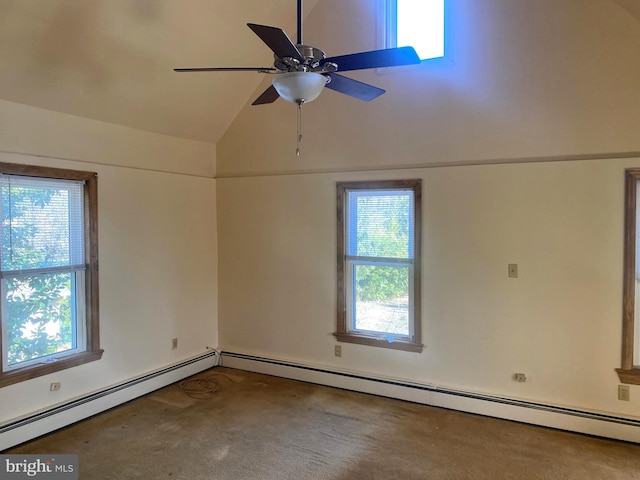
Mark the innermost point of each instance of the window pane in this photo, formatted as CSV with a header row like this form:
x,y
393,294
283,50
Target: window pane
x,y
637,274
636,336
381,301
636,349
421,25
39,318
378,263
41,223
49,316
380,224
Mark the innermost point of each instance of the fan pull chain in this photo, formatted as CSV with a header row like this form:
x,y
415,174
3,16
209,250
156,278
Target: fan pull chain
x,y
299,131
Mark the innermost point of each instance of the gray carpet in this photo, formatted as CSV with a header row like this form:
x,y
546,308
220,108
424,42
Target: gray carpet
x,y
261,427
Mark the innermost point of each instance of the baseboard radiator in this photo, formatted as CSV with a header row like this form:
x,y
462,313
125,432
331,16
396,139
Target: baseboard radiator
x,y
33,426
553,416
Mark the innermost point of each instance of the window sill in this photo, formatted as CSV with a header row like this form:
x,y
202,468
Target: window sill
x,y
629,376
33,371
375,341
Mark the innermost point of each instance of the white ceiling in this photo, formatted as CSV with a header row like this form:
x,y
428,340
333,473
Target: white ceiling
x,y
112,60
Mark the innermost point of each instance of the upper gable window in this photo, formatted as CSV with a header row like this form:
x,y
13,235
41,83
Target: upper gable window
x,y
416,23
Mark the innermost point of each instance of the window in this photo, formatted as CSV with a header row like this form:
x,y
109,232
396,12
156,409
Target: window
x,y
416,23
379,263
630,371
48,271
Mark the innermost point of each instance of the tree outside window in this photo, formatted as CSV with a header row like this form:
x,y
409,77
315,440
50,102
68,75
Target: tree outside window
x,y
378,264
48,270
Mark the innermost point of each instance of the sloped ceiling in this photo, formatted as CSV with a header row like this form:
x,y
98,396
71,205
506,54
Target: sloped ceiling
x,y
112,60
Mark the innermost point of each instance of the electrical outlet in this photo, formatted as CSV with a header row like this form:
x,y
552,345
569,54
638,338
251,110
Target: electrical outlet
x,y
338,350
55,386
623,393
174,344
513,270
520,377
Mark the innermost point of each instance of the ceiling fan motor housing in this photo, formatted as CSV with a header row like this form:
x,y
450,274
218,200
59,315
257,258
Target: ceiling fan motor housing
x,y
312,60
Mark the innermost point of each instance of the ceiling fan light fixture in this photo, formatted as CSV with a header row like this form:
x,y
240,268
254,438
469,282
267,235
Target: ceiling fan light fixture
x,y
299,87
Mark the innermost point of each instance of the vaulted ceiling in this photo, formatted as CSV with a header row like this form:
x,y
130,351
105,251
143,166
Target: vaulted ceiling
x,y
112,60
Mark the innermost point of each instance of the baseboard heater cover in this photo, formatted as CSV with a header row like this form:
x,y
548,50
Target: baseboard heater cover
x,y
33,426
553,416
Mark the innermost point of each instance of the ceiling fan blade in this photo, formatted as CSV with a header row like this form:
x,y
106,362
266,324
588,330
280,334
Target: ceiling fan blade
x,y
389,57
353,88
276,40
270,95
227,69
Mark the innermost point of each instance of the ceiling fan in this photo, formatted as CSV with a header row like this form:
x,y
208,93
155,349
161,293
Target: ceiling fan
x,y
302,71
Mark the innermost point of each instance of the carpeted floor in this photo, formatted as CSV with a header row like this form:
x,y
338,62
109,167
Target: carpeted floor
x,y
261,427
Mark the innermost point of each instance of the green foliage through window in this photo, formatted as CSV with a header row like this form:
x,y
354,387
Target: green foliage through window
x,y
39,265
379,263
38,316
374,282
382,229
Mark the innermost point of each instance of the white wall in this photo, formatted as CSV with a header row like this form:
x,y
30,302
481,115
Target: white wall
x,y
559,322
36,131
157,246
552,80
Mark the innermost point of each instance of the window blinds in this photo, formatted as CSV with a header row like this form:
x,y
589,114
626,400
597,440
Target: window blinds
x,y
380,223
42,223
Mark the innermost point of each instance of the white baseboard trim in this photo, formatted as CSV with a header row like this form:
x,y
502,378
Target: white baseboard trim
x,y
553,416
33,426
